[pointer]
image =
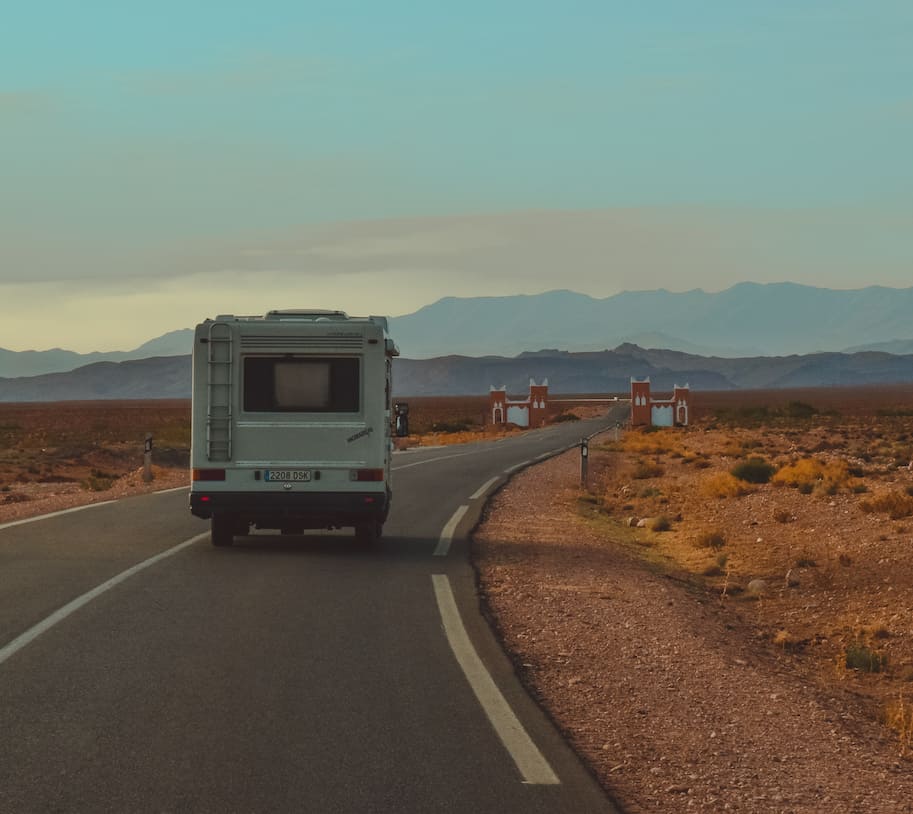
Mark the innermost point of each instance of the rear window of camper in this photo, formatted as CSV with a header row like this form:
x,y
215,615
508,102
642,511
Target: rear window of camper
x,y
312,385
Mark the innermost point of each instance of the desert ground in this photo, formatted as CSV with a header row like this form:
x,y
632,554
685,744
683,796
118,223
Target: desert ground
x,y
722,620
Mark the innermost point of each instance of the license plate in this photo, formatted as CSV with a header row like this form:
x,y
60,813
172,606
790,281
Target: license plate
x,y
288,475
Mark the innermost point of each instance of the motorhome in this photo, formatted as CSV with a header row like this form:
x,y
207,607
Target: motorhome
x,y
291,425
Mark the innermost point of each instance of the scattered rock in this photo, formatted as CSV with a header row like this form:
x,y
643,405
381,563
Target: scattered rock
x,y
758,587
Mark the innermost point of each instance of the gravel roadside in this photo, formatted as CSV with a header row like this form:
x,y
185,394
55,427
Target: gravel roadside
x,y
674,704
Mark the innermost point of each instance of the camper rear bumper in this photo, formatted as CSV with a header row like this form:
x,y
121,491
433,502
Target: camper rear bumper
x,y
318,508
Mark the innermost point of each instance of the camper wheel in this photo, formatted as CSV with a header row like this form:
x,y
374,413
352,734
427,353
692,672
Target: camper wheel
x,y
223,530
368,532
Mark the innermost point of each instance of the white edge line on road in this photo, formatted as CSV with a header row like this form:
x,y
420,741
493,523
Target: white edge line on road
x,y
515,467
484,488
435,460
71,607
175,489
443,544
533,766
543,456
54,514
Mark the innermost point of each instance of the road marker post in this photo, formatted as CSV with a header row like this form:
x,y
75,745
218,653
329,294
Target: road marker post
x,y
584,461
147,458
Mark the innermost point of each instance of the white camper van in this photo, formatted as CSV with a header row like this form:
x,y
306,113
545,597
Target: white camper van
x,y
291,423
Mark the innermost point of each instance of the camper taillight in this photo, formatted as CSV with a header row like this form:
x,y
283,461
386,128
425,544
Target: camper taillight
x,y
208,474
366,474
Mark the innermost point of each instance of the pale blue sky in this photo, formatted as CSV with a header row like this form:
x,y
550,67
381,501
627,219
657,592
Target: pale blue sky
x,y
163,162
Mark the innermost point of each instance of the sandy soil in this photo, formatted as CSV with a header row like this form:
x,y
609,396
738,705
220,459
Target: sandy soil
x,y
683,688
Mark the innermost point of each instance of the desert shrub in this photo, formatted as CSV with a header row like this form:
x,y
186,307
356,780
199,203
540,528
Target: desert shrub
x,y
658,442
809,473
782,516
805,561
753,470
895,504
645,470
461,425
860,657
710,539
898,715
799,409
560,419
661,523
96,484
722,485
786,640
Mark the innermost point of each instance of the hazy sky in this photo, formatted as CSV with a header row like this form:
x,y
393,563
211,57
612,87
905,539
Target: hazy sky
x,y
163,162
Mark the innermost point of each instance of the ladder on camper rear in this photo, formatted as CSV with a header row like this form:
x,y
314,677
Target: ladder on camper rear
x,y
219,392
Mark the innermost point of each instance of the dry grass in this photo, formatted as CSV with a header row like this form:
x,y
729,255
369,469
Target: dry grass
x,y
722,485
898,716
711,539
895,504
812,473
658,442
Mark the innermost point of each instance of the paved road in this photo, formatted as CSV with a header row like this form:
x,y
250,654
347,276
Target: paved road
x,y
283,674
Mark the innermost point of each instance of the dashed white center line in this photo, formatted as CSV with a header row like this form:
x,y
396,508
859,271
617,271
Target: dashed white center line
x,y
435,460
533,766
443,544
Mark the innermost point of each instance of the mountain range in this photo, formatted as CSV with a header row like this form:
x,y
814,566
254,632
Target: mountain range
x,y
747,320
587,372
749,336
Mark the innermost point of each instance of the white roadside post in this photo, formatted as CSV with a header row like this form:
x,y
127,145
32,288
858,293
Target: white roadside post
x,y
584,458
147,458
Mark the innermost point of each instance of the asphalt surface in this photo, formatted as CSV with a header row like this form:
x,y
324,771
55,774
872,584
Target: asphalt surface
x,y
300,674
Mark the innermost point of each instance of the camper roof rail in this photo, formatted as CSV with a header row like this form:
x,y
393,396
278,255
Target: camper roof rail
x,y
311,313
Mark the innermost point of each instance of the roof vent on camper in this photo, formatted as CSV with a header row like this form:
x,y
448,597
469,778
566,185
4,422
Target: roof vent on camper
x,y
310,313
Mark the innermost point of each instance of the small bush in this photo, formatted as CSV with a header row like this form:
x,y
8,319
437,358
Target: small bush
x,y
895,504
710,539
799,409
649,491
722,485
809,473
646,470
96,484
898,715
560,419
453,426
782,516
661,523
860,657
786,640
754,470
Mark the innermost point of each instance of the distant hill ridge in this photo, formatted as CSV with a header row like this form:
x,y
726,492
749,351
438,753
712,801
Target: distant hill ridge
x,y
749,319
587,372
746,321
